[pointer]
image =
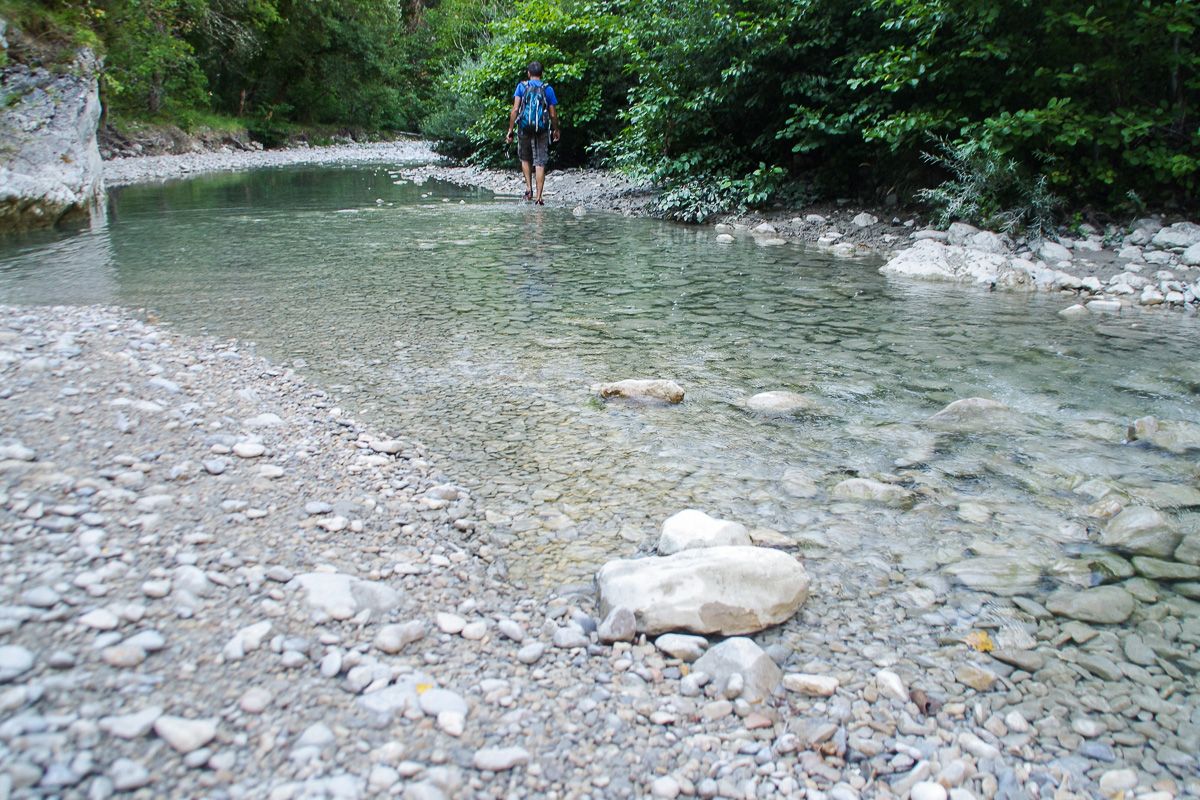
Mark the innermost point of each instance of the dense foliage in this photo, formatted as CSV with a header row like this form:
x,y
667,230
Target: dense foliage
x,y
992,110
738,101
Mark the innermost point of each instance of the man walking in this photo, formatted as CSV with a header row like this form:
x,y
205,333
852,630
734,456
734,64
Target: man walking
x,y
535,105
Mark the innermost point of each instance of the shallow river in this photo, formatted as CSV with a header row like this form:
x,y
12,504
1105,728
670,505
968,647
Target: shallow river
x,y
476,325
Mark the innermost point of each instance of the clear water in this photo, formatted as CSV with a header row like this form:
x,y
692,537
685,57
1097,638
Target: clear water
x,y
476,325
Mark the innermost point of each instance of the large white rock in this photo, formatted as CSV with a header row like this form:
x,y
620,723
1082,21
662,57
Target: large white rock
x,y
726,590
50,166
932,260
692,528
741,656
1181,234
1053,252
342,596
639,389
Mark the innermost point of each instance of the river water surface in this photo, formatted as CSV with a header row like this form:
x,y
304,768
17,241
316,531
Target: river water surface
x,y
477,325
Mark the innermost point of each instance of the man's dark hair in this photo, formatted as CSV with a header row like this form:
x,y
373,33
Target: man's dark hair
x,y
534,69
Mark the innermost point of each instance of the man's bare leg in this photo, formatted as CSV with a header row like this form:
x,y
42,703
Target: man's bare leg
x,y
526,168
541,182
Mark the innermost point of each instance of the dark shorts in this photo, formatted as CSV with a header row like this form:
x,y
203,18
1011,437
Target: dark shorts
x,y
534,148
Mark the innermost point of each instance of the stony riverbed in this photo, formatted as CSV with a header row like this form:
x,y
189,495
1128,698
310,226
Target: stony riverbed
x,y
217,583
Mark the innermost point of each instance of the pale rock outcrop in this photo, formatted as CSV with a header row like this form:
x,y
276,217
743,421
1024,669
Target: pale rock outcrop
x,y
692,528
933,260
637,389
725,590
50,165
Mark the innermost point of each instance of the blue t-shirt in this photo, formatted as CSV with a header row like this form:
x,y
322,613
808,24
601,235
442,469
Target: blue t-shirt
x,y
550,98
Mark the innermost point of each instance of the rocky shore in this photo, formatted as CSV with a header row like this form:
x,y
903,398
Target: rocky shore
x,y
218,584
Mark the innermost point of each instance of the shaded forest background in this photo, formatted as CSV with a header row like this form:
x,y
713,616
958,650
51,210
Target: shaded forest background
x,y
995,111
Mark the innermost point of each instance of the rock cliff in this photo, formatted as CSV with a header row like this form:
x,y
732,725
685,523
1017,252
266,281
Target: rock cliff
x,y
50,165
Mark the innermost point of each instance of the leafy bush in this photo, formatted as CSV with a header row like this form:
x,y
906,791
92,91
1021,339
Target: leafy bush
x,y
578,44
987,188
450,126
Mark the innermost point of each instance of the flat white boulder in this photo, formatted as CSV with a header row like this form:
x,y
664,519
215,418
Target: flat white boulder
x,y
691,528
779,402
725,590
639,389
342,596
931,260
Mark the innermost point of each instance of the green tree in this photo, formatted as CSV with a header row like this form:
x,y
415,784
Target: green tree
x,y
151,67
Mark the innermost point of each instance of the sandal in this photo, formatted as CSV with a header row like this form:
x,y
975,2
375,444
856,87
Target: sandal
x,y
540,202
528,194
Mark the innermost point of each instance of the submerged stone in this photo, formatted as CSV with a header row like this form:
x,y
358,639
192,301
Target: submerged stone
x,y
654,390
1141,530
780,403
1003,575
866,490
1109,605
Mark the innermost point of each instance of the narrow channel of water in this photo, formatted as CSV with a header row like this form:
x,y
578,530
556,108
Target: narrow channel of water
x,y
477,325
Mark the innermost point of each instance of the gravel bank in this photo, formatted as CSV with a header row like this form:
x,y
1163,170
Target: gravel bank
x,y
141,169
215,584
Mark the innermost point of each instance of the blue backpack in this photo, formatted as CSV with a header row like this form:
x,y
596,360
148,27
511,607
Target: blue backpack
x,y
534,117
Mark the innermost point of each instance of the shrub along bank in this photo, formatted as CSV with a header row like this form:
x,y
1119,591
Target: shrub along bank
x,y
1022,106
